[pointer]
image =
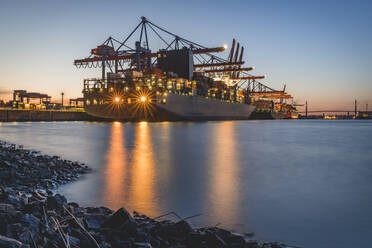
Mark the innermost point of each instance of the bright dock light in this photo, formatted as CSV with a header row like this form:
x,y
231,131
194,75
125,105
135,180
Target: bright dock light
x,y
143,99
117,99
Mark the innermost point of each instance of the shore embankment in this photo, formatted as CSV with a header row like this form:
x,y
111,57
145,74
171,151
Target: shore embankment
x,y
7,115
32,215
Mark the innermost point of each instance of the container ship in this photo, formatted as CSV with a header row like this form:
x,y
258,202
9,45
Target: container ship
x,y
182,80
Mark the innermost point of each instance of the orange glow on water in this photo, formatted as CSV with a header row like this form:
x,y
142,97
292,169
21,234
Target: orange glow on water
x,y
143,172
135,173
116,167
223,183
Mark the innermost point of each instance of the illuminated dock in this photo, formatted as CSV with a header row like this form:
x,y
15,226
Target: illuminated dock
x,y
7,115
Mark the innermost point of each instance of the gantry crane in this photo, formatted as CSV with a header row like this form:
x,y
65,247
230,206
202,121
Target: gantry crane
x,y
119,56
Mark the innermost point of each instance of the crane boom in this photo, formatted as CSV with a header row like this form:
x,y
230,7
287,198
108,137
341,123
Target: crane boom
x,y
142,55
227,70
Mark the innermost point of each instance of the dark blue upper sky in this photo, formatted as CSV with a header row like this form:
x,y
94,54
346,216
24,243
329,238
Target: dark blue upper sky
x,y
321,49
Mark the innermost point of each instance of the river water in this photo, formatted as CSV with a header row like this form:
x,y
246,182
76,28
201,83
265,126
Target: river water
x,y
303,182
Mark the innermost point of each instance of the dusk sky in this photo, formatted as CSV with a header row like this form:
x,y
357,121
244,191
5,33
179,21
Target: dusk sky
x,y
322,50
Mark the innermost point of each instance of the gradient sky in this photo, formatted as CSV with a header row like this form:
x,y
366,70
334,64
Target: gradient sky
x,y
322,50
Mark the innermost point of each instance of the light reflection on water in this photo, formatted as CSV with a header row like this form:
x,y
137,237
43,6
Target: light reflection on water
x,y
303,182
116,168
141,189
223,184
130,181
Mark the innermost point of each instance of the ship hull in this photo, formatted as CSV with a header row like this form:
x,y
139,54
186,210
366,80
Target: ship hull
x,y
176,108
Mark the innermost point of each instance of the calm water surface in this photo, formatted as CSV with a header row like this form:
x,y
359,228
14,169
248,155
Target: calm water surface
x,y
307,183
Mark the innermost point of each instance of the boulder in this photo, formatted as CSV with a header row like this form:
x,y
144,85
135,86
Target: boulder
x,y
117,219
75,242
130,227
3,223
252,244
15,199
29,237
5,175
182,227
236,240
194,239
56,202
33,207
12,230
6,242
215,241
6,208
94,221
142,245
275,245
104,244
29,220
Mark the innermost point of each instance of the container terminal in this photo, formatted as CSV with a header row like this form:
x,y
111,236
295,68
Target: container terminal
x,y
182,80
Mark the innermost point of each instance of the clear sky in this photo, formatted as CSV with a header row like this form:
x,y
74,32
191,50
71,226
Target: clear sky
x,y
321,49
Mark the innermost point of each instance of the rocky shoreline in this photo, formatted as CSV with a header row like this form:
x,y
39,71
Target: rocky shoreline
x,y
31,215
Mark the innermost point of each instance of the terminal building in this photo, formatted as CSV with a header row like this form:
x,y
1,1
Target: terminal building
x,y
30,100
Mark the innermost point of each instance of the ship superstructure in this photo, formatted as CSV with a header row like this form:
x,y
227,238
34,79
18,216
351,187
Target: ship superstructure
x,y
183,80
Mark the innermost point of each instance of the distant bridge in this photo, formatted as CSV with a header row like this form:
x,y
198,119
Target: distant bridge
x,y
349,113
327,111
353,111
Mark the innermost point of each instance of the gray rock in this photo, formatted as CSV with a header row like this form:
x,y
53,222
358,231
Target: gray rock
x,y
6,208
252,244
236,240
183,227
104,244
15,199
5,175
29,237
6,242
215,241
194,239
30,220
94,221
130,227
142,245
117,219
74,241
56,202
12,230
